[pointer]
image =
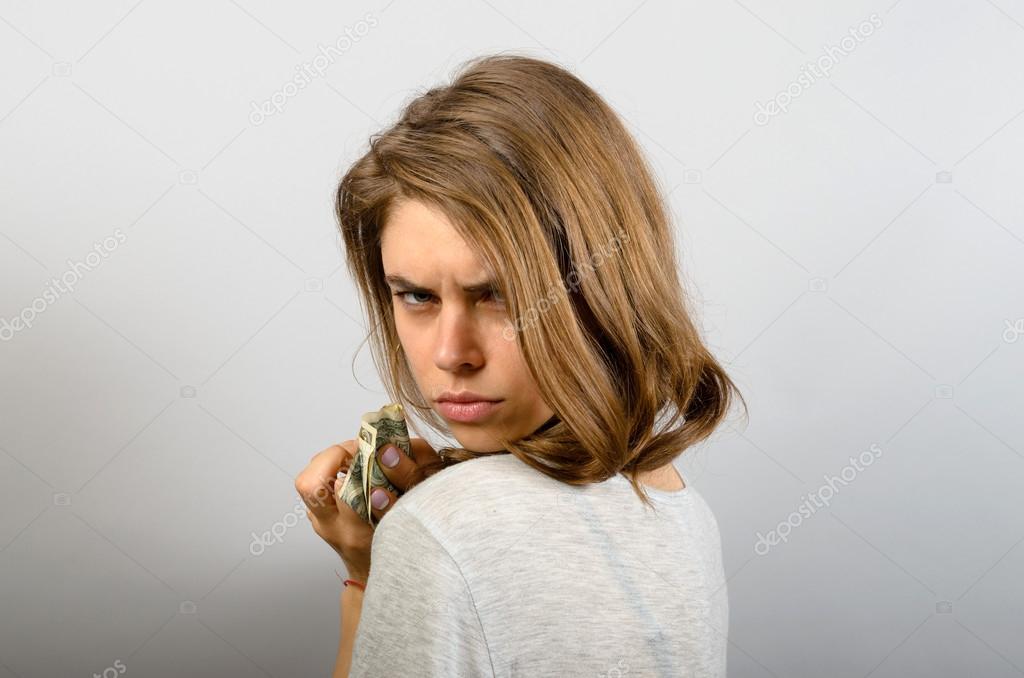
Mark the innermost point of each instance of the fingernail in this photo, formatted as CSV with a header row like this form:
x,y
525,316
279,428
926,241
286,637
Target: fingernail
x,y
379,499
390,457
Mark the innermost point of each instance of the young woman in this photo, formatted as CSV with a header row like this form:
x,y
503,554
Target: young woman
x,y
512,249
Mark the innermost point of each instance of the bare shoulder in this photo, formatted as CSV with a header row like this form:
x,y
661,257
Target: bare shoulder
x,y
666,478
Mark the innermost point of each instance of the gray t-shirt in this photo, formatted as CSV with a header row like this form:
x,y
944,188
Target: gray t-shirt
x,y
491,568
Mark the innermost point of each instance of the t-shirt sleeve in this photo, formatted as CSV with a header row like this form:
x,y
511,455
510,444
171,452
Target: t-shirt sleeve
x,y
418,616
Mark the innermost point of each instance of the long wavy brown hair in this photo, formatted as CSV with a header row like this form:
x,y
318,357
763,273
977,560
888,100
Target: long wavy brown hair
x,y
547,186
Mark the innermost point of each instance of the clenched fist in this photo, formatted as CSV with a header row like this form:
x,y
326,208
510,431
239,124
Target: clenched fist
x,y
335,521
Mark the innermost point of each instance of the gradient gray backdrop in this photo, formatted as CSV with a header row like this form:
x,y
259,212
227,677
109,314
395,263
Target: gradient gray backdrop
x,y
857,259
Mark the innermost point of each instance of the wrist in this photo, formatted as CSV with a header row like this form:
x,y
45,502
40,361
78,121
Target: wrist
x,y
352,596
353,575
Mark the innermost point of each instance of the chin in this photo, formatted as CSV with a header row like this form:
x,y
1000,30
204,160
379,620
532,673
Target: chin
x,y
474,441
467,440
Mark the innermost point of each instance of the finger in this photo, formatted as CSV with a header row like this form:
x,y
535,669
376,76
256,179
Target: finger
x,y
422,451
381,501
405,472
315,484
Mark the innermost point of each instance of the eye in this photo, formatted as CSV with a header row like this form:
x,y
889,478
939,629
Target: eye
x,y
401,296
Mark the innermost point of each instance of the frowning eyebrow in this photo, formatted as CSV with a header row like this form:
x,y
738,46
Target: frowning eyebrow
x,y
410,286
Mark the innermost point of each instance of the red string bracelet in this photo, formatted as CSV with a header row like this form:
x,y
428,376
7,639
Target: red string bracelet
x,y
352,581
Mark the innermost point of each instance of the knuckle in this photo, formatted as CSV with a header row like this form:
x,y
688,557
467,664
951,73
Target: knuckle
x,y
323,452
307,487
318,497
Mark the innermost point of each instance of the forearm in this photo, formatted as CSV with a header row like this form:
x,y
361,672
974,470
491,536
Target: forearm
x,y
351,608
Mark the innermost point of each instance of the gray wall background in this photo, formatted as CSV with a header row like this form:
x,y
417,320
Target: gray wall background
x,y
857,256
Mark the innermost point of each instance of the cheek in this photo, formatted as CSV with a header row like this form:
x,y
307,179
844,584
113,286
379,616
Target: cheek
x,y
412,344
507,360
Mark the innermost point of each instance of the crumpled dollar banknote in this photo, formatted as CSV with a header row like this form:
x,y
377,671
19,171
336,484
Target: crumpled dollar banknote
x,y
377,430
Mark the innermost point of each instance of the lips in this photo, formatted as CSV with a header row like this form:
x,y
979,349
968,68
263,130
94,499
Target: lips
x,y
465,397
467,412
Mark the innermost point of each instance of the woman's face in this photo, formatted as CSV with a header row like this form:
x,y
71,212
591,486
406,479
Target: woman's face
x,y
453,337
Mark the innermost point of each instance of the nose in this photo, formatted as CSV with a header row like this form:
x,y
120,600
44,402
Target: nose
x,y
457,346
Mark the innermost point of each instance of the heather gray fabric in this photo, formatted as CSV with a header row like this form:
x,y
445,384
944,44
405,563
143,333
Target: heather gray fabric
x,y
490,568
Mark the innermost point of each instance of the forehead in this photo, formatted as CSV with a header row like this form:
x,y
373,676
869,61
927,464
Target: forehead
x,y
418,240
